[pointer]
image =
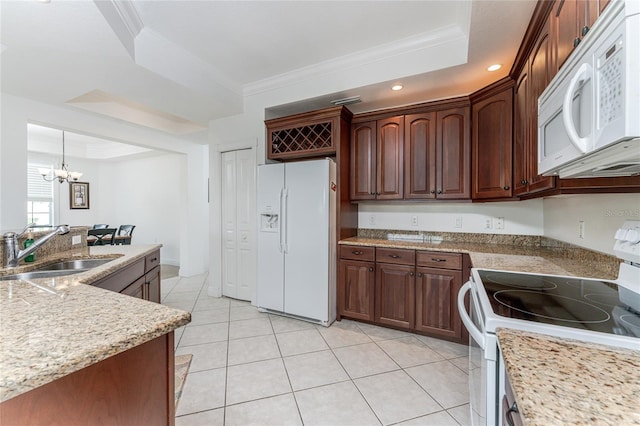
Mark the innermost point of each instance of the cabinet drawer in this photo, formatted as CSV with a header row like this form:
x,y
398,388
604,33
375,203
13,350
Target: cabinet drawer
x,y
397,256
437,259
357,253
152,260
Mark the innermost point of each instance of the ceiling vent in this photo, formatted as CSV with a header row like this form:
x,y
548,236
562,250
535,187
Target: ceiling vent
x,y
347,101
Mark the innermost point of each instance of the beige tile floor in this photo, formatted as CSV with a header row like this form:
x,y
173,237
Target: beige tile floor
x,y
252,368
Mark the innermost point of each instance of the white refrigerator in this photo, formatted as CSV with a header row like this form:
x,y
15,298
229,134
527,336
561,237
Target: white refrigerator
x,y
296,274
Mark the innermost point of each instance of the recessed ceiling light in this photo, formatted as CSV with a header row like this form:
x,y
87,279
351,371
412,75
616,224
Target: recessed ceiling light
x,y
397,87
494,67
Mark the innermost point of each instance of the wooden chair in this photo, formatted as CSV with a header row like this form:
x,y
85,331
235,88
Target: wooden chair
x,y
124,234
100,237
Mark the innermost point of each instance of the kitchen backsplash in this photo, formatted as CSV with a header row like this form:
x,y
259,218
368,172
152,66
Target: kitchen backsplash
x,y
600,261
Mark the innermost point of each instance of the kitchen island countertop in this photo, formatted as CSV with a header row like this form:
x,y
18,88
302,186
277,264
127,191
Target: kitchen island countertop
x,y
520,258
51,327
560,381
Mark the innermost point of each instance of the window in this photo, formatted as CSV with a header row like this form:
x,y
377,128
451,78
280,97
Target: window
x,y
39,196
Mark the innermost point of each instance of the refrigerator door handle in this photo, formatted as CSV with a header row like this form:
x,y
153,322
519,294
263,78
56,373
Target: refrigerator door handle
x,y
280,231
285,218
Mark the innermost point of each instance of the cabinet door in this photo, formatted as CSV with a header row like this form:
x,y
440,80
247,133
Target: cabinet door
x,y
363,161
136,289
520,134
395,292
390,159
539,78
565,25
355,289
152,285
436,302
453,154
420,156
492,142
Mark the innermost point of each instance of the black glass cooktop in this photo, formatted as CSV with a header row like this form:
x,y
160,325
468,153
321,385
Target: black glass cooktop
x,y
570,302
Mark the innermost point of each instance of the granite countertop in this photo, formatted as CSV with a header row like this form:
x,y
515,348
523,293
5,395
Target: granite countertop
x,y
508,257
51,327
562,381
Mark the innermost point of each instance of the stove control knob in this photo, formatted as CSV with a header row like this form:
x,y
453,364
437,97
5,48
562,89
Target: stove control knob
x,y
621,234
633,236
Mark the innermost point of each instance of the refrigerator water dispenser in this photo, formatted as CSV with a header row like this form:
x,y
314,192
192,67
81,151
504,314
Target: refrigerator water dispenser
x,y
268,222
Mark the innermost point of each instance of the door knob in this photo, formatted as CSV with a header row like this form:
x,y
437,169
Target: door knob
x,y
419,274
371,269
433,191
506,188
411,273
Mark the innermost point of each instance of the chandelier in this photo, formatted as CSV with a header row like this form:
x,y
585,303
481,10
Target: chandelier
x,y
62,174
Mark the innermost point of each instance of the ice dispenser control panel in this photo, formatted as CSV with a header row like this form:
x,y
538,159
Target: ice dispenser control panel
x,y
269,222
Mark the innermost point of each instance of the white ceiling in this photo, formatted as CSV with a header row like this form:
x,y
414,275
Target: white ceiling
x,y
198,60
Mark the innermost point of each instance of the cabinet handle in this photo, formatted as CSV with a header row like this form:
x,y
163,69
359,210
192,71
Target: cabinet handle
x,y
377,193
419,274
357,253
154,259
512,409
435,259
439,191
372,193
370,268
576,41
411,273
524,182
506,188
585,30
395,256
433,191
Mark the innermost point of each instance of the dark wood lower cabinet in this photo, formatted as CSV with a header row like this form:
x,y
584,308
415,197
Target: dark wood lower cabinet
x,y
141,279
135,387
436,302
403,288
395,288
355,298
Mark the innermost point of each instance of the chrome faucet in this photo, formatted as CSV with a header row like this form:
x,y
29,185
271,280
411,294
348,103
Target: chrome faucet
x,y
12,252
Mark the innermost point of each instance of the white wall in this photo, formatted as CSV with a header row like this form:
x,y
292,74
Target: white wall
x,y
521,218
602,214
144,194
194,210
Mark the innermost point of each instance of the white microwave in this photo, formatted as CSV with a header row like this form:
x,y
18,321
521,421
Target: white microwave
x,y
589,116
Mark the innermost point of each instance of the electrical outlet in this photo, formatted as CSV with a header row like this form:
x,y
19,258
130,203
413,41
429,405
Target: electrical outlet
x,y
487,224
498,222
76,239
581,229
458,222
414,220
372,220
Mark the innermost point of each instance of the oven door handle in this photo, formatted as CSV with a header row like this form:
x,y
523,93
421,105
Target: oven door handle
x,y
477,335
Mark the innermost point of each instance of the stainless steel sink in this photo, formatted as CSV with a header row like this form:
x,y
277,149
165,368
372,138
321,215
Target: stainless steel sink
x,y
76,264
41,274
58,269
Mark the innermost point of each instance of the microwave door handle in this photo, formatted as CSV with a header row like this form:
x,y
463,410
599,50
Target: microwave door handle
x,y
582,144
477,335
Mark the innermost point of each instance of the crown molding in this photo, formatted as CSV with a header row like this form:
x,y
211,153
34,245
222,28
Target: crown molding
x,y
417,45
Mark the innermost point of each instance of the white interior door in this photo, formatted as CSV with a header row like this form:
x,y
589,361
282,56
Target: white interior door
x,y
238,245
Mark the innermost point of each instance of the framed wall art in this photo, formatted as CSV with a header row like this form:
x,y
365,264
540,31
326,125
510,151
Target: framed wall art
x,y
79,195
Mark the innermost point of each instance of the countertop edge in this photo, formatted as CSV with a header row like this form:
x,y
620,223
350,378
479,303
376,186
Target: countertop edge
x,y
163,320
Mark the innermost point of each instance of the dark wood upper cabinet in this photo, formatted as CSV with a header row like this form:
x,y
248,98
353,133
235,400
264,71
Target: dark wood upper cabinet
x,y
492,142
390,161
420,156
453,153
541,71
520,134
363,161
571,21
